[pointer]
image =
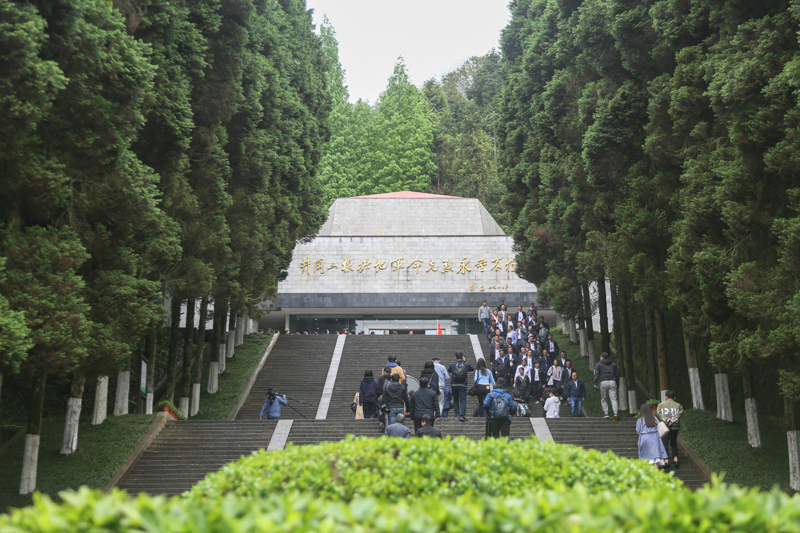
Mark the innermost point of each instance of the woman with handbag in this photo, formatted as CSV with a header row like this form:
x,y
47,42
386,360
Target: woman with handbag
x,y
650,446
484,381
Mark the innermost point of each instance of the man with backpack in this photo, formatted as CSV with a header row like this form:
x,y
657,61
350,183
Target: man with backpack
x,y
458,384
500,406
394,398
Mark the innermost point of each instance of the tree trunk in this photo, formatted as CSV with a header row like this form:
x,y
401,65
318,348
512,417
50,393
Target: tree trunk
x,y
69,442
186,374
619,343
216,337
793,438
724,409
1,388
750,408
582,336
172,354
234,323
652,369
241,316
100,401
630,375
587,311
150,354
123,390
691,363
661,351
602,307
198,355
30,456
573,331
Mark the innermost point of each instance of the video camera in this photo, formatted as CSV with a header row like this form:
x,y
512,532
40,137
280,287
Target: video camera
x,y
272,393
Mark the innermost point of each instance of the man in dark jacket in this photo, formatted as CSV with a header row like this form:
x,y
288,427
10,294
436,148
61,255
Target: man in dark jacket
x,y
606,377
576,394
395,398
424,402
368,395
458,383
426,428
501,366
551,346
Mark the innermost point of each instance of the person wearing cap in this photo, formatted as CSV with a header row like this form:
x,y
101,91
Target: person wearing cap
x,y
441,372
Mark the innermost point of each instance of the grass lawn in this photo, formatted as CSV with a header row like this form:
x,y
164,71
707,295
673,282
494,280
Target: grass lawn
x,y
724,448
232,383
101,451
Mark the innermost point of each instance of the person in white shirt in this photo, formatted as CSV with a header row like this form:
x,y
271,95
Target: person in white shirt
x,y
537,382
552,405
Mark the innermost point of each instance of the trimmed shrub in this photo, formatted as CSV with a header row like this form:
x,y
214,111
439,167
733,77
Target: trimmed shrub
x,y
718,508
166,403
397,469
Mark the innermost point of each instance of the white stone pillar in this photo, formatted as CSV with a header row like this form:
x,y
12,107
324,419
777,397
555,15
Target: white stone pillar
x,y
724,409
100,401
70,441
753,433
793,438
148,405
213,378
123,391
195,398
592,354
697,391
622,394
573,331
29,464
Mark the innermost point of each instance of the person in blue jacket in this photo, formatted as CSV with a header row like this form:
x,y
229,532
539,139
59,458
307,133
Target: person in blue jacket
x,y
273,407
500,415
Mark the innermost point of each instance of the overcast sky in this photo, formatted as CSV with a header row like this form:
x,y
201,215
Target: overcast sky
x,y
433,36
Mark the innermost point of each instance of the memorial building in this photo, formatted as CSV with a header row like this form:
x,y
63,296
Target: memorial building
x,y
403,261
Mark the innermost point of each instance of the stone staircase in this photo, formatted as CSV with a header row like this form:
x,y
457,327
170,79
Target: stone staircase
x,y
185,452
604,434
371,351
297,366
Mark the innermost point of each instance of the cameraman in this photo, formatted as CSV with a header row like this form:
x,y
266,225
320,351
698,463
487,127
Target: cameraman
x,y
272,406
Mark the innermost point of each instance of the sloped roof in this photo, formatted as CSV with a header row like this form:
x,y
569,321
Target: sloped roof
x,y
404,214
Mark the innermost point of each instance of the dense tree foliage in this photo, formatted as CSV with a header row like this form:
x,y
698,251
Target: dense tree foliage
x,y
439,138
149,150
653,144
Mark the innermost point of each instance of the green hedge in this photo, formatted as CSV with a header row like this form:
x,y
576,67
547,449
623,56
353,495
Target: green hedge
x,y
396,469
718,508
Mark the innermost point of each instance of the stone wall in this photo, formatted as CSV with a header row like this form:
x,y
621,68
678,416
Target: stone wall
x,y
410,266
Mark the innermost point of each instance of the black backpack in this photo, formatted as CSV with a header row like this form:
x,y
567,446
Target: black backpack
x,y
459,372
499,406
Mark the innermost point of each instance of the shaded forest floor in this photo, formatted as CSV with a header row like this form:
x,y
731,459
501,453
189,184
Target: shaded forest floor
x,y
102,449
